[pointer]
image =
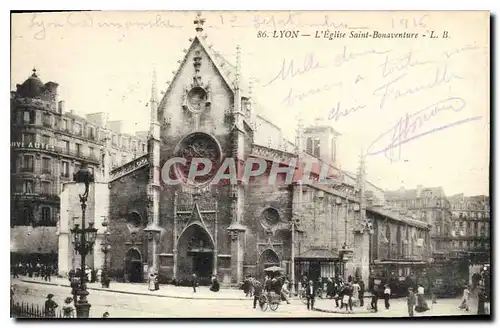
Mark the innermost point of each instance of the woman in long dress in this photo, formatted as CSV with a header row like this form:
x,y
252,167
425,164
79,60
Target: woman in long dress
x,y
421,303
151,281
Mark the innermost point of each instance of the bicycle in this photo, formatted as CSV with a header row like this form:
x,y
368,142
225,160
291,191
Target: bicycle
x,y
271,300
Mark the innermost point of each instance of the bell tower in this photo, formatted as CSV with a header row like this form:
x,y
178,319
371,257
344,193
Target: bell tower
x,y
320,140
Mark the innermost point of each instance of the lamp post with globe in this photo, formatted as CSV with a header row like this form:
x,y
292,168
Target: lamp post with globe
x,y
83,238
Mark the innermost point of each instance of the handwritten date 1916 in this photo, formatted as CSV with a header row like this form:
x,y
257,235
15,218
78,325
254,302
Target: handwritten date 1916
x,y
409,127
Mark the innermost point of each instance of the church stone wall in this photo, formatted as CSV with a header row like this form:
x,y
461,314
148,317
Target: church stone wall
x,y
127,195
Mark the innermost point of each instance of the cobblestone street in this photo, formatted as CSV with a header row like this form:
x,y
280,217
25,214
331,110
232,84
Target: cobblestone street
x,y
181,302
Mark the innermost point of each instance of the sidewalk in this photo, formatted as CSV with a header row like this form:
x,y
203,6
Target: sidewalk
x,y
328,306
169,291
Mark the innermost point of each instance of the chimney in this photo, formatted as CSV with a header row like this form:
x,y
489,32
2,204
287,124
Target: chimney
x,y
60,107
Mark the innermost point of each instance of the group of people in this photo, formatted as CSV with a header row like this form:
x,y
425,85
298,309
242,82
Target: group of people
x,y
33,270
68,309
277,285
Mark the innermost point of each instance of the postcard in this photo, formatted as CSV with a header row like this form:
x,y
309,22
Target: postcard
x,y
250,164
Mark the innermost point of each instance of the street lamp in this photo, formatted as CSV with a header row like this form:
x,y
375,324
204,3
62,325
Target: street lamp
x,y
105,248
83,239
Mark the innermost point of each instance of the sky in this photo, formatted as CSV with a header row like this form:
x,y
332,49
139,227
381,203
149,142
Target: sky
x,y
429,95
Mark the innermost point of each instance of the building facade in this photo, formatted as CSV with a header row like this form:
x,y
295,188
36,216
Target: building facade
x,y
48,144
428,205
471,225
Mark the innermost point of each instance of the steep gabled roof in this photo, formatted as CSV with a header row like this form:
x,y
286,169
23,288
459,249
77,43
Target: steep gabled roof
x,y
219,63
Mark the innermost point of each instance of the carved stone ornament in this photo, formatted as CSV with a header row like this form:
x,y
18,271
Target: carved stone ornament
x,y
233,234
198,145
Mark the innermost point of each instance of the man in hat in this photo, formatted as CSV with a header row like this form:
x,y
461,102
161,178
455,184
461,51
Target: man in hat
x,y
410,300
50,307
311,294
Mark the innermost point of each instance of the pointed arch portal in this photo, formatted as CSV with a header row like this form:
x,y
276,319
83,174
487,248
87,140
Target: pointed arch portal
x,y
133,265
268,258
195,253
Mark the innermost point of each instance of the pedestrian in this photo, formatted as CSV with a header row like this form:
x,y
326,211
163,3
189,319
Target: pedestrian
x,y
374,300
268,284
48,273
157,281
50,307
215,284
93,275
88,274
330,288
347,298
361,292
410,300
311,294
15,272
284,291
355,293
74,287
250,292
12,293
151,281
481,301
195,282
421,303
69,308
387,296
257,292
465,299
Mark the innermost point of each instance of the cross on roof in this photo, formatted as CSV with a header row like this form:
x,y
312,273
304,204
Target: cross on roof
x,y
199,21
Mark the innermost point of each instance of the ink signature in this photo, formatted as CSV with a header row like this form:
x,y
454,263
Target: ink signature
x,y
409,127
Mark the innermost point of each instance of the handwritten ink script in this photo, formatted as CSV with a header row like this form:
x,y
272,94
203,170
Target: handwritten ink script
x,y
410,127
41,27
441,76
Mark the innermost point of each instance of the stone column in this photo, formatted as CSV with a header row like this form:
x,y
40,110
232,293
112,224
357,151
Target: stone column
x,y
361,259
237,237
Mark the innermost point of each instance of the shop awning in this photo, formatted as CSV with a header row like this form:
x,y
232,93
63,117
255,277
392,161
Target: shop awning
x,y
318,254
400,262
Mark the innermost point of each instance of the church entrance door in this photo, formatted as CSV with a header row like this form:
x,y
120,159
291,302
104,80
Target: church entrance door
x,y
133,265
195,254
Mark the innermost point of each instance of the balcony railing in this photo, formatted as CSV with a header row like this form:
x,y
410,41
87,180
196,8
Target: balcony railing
x,y
78,154
27,169
35,196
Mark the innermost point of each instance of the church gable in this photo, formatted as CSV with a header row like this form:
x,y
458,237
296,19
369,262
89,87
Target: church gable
x,y
200,94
